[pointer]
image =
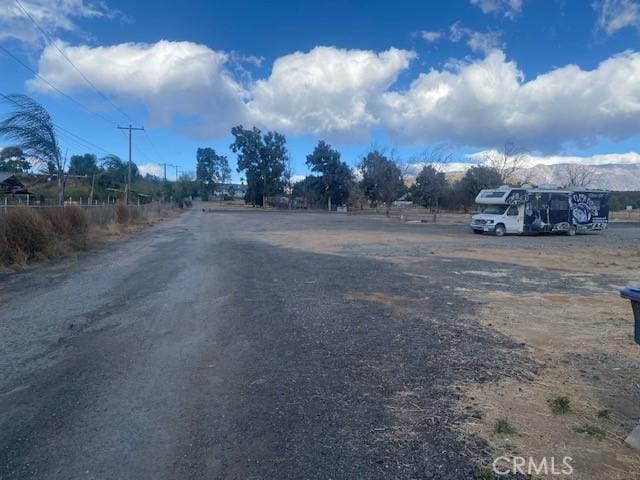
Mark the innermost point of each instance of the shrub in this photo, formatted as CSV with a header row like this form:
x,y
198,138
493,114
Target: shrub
x,y
134,214
59,222
503,426
122,213
77,220
560,405
25,235
68,223
592,431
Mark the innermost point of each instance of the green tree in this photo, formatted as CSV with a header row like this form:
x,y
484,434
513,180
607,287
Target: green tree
x,y
114,173
476,179
86,164
430,187
30,125
12,159
381,179
185,188
211,170
263,158
311,189
336,176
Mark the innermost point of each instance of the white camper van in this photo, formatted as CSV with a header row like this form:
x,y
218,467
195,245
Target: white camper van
x,y
526,209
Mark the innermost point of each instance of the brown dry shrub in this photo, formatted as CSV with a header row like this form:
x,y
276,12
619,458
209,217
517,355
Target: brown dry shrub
x,y
69,224
77,220
60,224
24,235
134,214
122,214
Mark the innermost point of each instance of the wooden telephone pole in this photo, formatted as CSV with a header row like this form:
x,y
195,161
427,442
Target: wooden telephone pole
x,y
127,189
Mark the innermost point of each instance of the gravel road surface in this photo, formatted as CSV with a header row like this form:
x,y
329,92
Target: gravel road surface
x,y
194,350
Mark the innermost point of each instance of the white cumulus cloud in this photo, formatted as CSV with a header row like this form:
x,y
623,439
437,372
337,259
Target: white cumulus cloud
x,y
344,94
486,102
326,90
614,15
171,79
51,15
482,42
151,169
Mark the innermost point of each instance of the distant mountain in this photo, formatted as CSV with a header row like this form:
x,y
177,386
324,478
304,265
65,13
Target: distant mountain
x,y
606,176
611,176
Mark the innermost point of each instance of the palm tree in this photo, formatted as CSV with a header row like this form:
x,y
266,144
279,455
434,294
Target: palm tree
x,y
31,127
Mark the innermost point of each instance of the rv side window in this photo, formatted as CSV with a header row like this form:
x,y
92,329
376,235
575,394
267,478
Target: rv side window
x,y
559,204
512,212
494,209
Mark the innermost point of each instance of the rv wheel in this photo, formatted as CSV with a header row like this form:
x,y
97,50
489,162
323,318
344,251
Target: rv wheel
x,y
572,230
500,230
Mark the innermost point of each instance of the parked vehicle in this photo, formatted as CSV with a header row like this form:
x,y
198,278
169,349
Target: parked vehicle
x,y
529,210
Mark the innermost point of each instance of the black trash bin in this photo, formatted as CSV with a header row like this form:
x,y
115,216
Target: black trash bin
x,y
633,294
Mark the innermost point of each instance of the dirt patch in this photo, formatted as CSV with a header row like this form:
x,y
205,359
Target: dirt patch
x,y
332,241
598,260
585,346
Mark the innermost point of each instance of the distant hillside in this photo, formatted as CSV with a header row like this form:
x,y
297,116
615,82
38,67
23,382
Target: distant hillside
x,y
613,176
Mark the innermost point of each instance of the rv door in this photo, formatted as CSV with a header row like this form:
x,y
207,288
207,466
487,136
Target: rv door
x,y
513,219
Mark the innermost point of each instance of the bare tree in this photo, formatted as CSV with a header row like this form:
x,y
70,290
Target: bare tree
x,y
437,158
508,161
576,175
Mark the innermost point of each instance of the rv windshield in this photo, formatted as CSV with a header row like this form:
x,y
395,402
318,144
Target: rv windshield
x,y
494,209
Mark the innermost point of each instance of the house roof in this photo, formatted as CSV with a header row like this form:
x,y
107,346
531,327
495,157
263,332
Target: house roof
x,y
12,183
8,178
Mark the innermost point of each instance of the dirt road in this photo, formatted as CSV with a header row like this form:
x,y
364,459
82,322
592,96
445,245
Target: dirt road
x,y
197,349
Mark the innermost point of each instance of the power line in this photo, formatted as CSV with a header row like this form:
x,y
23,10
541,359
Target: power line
x,y
52,43
79,104
86,79
86,142
60,128
148,138
64,94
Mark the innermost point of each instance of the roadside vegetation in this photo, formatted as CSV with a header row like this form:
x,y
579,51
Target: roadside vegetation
x,y
33,234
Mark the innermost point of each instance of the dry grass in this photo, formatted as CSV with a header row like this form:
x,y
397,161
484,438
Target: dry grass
x,y
584,401
32,234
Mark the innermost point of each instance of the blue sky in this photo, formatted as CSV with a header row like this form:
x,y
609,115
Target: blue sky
x,y
556,77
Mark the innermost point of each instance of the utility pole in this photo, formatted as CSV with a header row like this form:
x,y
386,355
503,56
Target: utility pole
x,y
128,186
93,181
165,165
177,167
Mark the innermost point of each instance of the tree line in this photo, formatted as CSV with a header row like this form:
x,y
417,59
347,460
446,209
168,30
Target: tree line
x,y
378,180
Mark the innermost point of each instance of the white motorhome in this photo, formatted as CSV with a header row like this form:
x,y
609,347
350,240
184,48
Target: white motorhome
x,y
528,210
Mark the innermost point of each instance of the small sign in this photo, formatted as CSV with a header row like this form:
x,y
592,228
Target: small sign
x,y
629,208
